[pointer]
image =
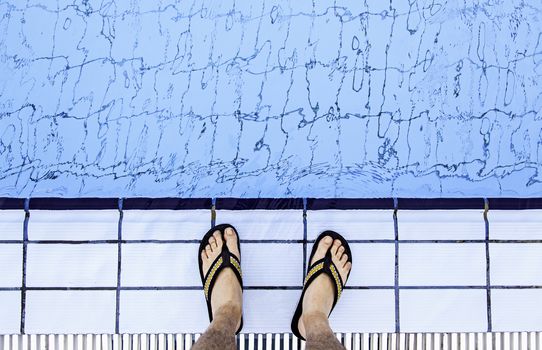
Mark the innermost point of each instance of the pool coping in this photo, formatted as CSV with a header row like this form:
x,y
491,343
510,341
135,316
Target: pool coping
x,y
172,203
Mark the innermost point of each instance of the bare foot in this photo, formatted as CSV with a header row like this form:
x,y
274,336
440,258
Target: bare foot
x,y
227,290
318,297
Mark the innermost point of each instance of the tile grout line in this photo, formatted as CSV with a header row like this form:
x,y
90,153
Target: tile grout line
x,y
213,212
488,265
396,272
119,267
299,287
25,253
304,240
279,241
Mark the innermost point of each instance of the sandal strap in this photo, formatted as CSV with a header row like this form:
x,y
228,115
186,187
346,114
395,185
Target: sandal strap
x,y
314,268
237,266
224,260
337,278
211,274
325,265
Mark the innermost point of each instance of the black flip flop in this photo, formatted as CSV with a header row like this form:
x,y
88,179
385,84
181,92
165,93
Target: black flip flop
x,y
224,260
324,265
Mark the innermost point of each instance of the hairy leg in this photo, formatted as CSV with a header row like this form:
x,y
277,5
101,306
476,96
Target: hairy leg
x,y
226,298
221,333
319,334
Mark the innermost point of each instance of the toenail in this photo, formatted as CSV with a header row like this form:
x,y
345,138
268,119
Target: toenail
x,y
327,239
229,231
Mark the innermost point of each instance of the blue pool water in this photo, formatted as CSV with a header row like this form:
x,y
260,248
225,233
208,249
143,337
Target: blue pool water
x,y
269,98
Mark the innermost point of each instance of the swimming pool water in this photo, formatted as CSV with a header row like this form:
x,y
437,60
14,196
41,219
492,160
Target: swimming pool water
x,y
271,98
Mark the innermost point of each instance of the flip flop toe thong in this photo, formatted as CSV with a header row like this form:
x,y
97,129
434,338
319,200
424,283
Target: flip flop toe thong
x,y
225,260
324,265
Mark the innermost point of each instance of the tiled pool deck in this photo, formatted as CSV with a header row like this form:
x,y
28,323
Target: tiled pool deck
x,y
131,266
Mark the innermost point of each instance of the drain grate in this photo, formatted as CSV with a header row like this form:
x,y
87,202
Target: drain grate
x,y
282,341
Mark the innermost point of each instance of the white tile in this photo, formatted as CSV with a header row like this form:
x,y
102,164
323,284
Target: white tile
x,y
264,224
10,304
12,222
515,264
11,265
177,264
373,264
352,224
515,224
516,309
441,224
73,225
165,224
272,264
165,311
442,264
71,265
364,311
444,310
269,311
62,312
162,264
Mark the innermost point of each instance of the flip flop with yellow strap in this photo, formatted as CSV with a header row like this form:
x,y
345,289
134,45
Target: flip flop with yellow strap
x,y
324,265
225,260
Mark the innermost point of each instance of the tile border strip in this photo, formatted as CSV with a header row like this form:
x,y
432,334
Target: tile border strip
x,y
83,203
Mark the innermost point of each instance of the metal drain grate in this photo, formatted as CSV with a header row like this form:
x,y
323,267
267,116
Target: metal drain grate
x,y
354,341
